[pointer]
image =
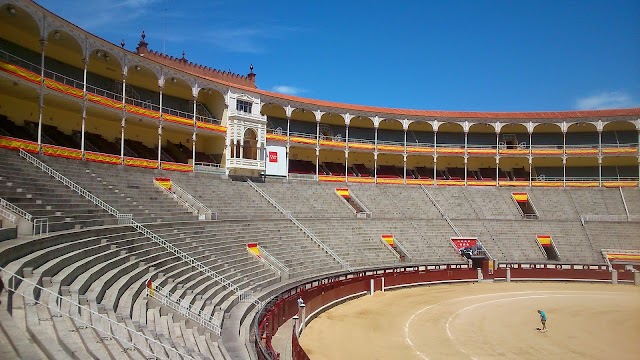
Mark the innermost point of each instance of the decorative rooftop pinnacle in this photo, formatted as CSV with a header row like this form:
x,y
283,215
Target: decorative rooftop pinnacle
x,y
122,43
142,48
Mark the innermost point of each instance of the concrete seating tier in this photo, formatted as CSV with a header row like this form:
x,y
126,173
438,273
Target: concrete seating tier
x,y
632,199
598,201
308,201
36,192
614,235
395,201
129,190
229,199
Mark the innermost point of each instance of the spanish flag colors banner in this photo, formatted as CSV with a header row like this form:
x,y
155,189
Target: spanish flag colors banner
x,y
344,192
177,167
60,151
389,239
520,197
544,240
144,163
102,158
253,249
164,182
150,287
15,144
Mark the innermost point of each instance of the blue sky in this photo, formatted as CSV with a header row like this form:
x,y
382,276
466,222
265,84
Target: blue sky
x,y
445,55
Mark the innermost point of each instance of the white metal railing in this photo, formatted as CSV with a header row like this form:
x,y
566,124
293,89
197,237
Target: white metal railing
x,y
124,219
390,248
175,197
40,226
202,209
14,209
269,199
69,183
109,327
624,202
272,259
344,264
402,249
262,260
166,298
185,257
8,215
444,215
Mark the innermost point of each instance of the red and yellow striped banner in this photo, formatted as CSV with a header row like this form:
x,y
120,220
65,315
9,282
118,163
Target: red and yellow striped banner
x,y
616,151
361,146
344,192
361,180
275,137
390,148
583,184
101,100
142,111
301,140
102,158
419,181
609,184
388,238
390,181
480,182
63,88
333,144
546,151
513,151
164,182
177,119
521,197
513,183
252,248
480,151
450,182
331,178
59,151
452,151
544,240
213,127
623,257
176,167
585,151
144,163
547,184
418,150
15,144
20,72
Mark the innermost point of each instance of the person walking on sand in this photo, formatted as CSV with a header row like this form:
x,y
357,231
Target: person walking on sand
x,y
543,320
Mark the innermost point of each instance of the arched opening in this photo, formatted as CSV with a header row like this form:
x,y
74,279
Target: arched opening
x,y
481,139
619,134
104,74
390,132
547,170
620,168
546,139
302,125
142,87
177,97
582,135
361,131
276,118
250,145
18,24
332,127
420,133
582,169
450,139
210,106
514,137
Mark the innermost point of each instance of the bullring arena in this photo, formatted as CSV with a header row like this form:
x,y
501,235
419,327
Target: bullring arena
x,y
153,208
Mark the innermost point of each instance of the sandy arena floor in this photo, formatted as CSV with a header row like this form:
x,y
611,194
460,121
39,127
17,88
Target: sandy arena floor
x,y
482,321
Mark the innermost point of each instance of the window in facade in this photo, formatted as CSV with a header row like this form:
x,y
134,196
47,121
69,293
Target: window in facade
x,y
243,106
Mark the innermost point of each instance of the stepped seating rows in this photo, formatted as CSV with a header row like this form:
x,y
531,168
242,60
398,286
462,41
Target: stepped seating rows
x,y
37,193
129,190
9,128
306,201
453,202
492,203
553,204
614,235
597,201
399,202
229,199
632,199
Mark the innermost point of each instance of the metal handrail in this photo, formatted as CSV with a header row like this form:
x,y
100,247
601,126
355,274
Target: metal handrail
x,y
166,298
8,215
302,227
446,218
69,183
83,310
14,209
278,263
403,249
185,257
180,192
391,249
175,197
261,258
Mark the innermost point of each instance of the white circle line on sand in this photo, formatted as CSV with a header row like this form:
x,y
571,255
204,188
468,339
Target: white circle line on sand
x,y
407,338
451,337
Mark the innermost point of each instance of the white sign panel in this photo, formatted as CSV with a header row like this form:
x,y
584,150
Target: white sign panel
x,y
276,160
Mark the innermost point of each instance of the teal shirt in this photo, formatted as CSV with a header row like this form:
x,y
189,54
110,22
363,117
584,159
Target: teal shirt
x,y
543,316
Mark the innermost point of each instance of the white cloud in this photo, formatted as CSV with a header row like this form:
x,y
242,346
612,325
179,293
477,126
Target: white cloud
x,y
606,100
289,90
